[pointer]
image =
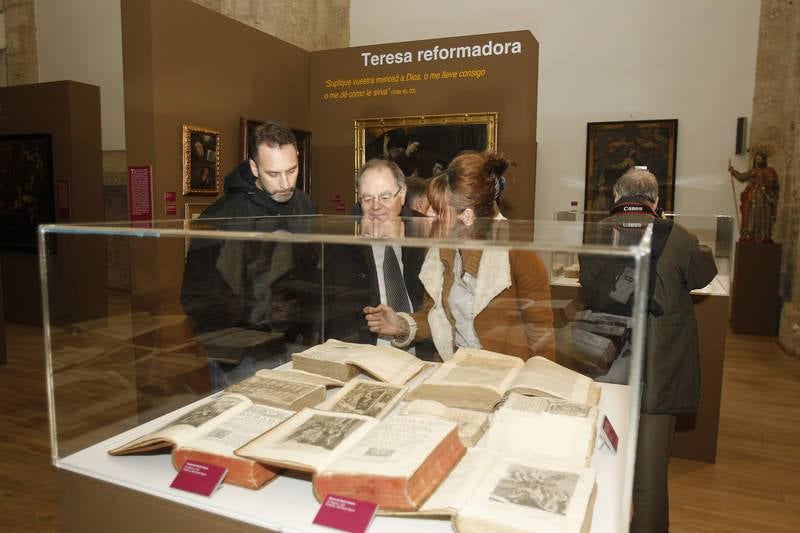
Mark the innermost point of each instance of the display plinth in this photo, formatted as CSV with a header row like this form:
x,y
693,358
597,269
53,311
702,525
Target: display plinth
x,y
755,309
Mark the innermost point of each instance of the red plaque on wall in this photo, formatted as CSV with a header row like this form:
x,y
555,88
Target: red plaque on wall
x,y
140,194
62,199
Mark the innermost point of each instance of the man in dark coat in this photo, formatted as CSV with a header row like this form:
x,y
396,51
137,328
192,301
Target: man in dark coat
x,y
355,276
242,295
671,370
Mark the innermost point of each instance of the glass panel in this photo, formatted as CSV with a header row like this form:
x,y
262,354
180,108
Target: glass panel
x,y
213,301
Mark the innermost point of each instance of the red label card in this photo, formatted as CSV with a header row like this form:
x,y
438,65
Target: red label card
x,y
170,209
62,198
608,434
199,478
345,514
170,196
140,194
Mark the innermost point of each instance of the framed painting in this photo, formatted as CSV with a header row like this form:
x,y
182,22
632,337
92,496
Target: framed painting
x,y
201,161
303,138
423,145
614,147
27,196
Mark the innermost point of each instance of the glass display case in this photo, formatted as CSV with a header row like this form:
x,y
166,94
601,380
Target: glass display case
x,y
715,231
211,301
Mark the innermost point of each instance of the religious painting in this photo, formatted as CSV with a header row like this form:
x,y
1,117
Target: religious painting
x,y
201,161
614,147
303,138
424,145
27,198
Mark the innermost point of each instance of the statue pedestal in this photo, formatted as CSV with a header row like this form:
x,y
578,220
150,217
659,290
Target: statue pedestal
x,y
755,305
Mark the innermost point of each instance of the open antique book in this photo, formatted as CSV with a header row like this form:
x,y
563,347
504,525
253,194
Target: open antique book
x,y
478,379
343,361
365,397
271,387
395,463
489,491
550,429
210,433
471,424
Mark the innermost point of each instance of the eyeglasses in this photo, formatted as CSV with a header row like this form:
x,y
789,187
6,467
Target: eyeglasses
x,y
384,197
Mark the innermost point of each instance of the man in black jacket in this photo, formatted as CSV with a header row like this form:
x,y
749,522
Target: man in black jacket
x,y
242,296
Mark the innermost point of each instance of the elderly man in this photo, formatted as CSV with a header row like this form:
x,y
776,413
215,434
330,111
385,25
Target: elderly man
x,y
374,273
671,382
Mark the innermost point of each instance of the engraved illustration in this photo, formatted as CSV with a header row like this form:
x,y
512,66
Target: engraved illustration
x,y
204,413
545,490
271,388
366,399
323,431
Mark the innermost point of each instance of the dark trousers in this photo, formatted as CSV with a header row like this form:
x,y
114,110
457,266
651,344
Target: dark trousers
x,y
650,478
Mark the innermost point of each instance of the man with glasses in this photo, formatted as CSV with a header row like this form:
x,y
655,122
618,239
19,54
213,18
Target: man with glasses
x,y
373,273
241,295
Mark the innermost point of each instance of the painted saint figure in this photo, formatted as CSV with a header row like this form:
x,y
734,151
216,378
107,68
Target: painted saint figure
x,y
759,199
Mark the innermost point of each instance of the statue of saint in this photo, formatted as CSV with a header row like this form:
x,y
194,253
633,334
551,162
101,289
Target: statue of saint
x,y
759,199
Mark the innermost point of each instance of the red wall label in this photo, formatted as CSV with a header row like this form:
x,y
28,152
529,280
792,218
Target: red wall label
x,y
140,194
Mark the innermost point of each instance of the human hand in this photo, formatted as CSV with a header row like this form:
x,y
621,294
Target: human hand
x,y
383,320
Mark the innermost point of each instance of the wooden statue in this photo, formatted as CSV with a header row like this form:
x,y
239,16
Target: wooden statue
x,y
759,200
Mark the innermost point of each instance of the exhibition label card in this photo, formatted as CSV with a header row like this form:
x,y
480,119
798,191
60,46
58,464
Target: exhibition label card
x,y
345,514
608,434
199,478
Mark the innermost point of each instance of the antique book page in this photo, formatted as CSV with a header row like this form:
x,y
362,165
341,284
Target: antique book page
x,y
517,495
565,440
302,377
189,425
330,350
471,424
555,406
472,378
394,448
363,397
308,441
239,430
388,364
456,489
278,392
542,377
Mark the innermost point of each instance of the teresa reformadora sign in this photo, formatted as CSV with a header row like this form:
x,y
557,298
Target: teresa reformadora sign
x,y
442,53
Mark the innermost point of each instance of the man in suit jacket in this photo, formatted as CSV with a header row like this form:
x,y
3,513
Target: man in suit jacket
x,y
356,276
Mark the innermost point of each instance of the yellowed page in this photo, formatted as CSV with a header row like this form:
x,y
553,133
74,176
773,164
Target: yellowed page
x,y
276,391
363,397
191,424
554,406
542,377
308,441
396,447
522,495
471,424
459,485
302,377
388,364
471,367
237,431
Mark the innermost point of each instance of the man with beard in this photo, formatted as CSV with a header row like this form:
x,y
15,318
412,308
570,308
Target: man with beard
x,y
241,295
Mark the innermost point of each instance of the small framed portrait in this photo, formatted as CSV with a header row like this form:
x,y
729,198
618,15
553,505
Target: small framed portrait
x,y
201,161
246,127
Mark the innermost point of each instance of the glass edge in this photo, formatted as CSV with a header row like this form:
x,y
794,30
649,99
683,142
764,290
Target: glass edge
x,y
48,355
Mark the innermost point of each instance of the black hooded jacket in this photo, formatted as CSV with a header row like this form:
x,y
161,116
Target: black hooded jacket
x,y
243,199
249,284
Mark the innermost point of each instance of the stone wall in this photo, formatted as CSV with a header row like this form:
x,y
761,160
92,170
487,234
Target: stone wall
x,y
22,60
309,24
776,122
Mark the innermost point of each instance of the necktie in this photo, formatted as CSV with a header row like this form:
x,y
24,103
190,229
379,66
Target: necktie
x,y
396,296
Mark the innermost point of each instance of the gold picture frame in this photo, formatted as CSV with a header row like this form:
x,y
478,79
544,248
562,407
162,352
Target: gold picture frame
x,y
201,161
439,138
